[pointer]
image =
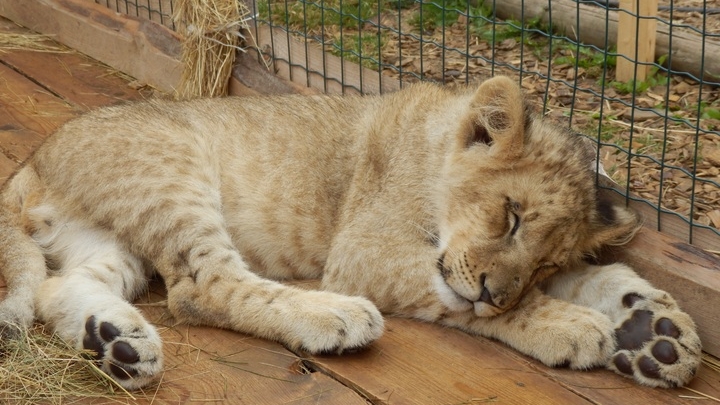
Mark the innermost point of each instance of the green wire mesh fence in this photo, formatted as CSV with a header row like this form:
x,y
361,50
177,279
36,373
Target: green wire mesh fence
x,y
657,132
159,11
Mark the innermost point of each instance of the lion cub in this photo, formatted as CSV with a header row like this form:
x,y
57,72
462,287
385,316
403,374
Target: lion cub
x,y
457,207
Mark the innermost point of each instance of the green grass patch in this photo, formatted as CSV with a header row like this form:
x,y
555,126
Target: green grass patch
x,y
341,20
594,61
312,15
362,48
654,78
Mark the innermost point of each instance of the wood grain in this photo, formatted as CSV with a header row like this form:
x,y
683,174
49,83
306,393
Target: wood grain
x,y
418,363
691,275
207,365
593,25
118,40
304,62
637,29
28,114
72,78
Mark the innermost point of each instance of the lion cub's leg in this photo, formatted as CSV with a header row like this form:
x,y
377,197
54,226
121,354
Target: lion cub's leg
x,y
657,343
86,298
210,284
222,292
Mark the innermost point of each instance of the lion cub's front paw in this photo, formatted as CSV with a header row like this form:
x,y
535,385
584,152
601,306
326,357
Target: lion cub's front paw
x,y
132,356
581,339
325,322
657,343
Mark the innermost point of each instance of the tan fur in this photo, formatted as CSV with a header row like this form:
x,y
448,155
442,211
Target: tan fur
x,y
447,206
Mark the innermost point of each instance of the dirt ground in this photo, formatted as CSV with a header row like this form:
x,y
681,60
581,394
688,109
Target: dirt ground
x,y
674,162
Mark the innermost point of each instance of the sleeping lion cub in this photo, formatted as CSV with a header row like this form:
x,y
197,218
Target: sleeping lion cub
x,y
456,207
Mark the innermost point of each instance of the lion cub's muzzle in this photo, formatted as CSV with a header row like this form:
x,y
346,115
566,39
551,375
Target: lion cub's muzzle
x,y
487,299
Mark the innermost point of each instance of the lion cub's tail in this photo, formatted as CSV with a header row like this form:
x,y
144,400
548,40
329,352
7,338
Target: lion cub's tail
x,y
22,263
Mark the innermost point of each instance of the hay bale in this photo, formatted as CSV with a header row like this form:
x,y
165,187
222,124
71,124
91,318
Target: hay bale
x,y
212,35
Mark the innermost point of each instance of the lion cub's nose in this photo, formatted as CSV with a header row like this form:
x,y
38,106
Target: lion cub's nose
x,y
485,295
486,298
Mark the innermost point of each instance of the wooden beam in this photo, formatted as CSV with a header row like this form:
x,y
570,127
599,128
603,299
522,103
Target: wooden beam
x,y
143,49
596,26
251,74
663,221
420,363
304,62
637,27
690,274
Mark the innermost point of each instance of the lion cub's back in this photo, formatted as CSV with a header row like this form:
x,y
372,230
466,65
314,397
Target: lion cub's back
x,y
279,165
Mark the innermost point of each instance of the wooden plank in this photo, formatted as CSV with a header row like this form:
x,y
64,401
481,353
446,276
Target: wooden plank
x,y
28,114
600,387
208,365
305,63
250,76
666,222
637,27
418,363
115,39
592,25
74,77
691,275
7,167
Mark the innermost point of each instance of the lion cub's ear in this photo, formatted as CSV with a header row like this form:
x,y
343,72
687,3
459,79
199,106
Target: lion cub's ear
x,y
496,118
614,225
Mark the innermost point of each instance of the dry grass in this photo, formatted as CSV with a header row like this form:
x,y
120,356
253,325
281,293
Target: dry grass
x,y
40,367
713,364
29,42
212,36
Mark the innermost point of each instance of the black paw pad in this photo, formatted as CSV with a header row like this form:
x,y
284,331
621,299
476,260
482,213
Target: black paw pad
x,y
125,353
91,340
122,373
666,327
630,299
634,332
623,364
664,352
108,331
648,367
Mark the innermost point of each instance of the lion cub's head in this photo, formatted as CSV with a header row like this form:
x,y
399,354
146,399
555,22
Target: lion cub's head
x,y
521,202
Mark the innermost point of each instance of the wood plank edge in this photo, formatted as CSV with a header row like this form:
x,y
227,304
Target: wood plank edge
x,y
595,26
115,39
305,63
690,274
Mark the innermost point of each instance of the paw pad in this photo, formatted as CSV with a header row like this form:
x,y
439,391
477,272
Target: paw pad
x,y
657,343
635,332
623,364
665,327
664,352
91,341
630,299
648,367
123,355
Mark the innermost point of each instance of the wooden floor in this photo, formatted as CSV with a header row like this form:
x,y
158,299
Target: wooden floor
x,y
413,363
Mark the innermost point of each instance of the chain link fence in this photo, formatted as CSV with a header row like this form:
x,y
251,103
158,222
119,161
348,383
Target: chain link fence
x,y
655,115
